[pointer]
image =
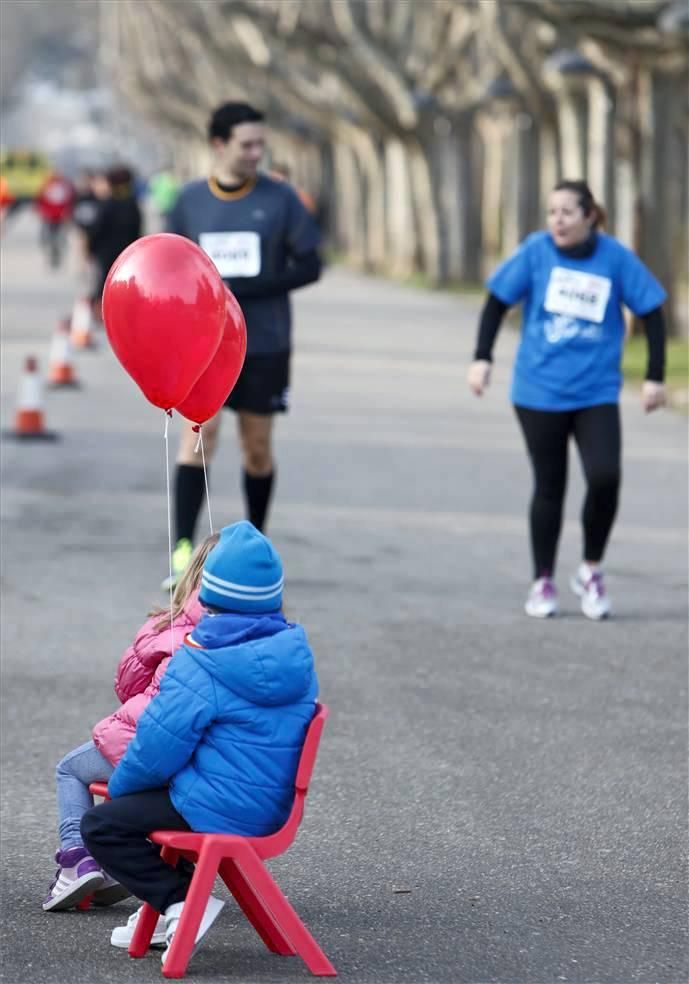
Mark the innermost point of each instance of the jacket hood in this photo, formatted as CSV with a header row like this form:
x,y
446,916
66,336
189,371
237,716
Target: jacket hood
x,y
263,659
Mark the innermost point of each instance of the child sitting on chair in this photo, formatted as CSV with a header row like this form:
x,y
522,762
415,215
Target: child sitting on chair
x,y
217,750
136,684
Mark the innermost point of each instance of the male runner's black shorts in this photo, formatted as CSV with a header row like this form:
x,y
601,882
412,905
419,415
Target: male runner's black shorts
x,y
263,385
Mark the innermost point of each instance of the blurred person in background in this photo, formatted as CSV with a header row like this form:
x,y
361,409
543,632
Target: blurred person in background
x,y
87,201
281,172
573,280
6,199
264,244
54,203
92,187
116,225
163,188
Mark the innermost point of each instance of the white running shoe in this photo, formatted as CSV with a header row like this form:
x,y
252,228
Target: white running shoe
x,y
172,917
542,600
589,585
122,935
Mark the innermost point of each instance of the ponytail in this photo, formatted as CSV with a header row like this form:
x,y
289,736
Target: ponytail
x,y
588,203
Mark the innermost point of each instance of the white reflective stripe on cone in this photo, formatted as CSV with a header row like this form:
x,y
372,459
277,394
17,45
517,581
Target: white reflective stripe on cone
x,y
81,316
60,350
30,392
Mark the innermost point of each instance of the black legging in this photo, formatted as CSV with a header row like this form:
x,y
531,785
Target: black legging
x,y
597,433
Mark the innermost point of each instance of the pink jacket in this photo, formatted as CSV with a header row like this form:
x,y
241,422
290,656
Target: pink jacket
x,y
138,678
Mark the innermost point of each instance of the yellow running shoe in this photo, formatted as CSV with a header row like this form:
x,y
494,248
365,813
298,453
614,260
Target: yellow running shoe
x,y
181,556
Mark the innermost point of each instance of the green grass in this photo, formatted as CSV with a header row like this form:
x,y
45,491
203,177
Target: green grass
x,y
677,360
676,368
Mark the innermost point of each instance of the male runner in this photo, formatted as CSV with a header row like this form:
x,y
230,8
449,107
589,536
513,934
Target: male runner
x,y
264,244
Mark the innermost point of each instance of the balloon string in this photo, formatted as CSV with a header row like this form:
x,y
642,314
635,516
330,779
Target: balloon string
x,y
168,415
199,444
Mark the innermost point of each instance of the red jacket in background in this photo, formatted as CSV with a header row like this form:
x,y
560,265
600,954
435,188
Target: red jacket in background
x,y
55,200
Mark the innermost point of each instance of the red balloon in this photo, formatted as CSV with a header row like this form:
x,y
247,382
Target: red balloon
x,y
164,312
214,385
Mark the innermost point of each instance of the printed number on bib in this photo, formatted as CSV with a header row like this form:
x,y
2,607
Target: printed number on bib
x,y
577,295
235,254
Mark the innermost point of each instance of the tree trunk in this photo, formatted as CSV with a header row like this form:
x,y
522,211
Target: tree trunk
x,y
399,213
349,204
425,210
491,195
661,188
520,180
327,210
601,145
457,200
550,166
573,123
371,167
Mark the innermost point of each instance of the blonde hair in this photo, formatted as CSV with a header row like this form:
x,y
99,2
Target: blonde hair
x,y
188,583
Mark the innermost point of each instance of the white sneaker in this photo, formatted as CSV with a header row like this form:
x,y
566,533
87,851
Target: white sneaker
x,y
172,917
589,585
542,600
122,935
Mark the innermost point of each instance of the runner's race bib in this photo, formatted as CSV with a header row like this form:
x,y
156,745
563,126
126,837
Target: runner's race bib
x,y
578,295
235,254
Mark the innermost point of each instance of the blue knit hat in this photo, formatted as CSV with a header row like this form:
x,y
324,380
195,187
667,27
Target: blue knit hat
x,y
243,572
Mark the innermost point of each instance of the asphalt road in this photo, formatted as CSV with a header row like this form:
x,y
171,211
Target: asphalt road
x,y
496,798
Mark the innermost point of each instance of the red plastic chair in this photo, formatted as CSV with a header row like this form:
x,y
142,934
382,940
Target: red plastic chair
x,y
239,862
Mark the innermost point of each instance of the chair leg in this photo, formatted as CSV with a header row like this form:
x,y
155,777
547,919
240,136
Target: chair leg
x,y
284,915
141,938
254,910
182,945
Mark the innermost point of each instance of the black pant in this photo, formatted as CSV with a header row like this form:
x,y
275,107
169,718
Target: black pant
x,y
116,835
597,433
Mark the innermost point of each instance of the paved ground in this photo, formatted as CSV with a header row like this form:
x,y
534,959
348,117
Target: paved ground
x,y
497,799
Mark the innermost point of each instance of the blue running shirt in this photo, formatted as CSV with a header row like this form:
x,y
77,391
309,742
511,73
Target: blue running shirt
x,y
249,234
570,351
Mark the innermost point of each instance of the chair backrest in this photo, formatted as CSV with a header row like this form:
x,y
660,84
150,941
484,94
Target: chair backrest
x,y
277,843
310,749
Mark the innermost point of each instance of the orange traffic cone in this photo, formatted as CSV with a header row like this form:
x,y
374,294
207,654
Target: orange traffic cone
x,y
61,370
29,424
81,332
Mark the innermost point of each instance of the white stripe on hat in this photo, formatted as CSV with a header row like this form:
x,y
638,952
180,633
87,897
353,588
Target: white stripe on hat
x,y
242,594
213,581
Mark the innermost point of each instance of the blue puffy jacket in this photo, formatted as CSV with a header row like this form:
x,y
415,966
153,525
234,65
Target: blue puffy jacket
x,y
226,730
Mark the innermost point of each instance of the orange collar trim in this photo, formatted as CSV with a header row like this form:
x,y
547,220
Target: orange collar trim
x,y
228,196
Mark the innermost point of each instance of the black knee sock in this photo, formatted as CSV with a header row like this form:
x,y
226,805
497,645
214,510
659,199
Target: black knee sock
x,y
190,487
257,491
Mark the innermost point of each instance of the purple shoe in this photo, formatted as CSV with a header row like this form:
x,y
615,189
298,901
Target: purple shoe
x,y
79,875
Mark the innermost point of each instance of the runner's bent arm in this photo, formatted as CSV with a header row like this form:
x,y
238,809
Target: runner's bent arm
x,y
303,265
654,326
491,318
302,270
